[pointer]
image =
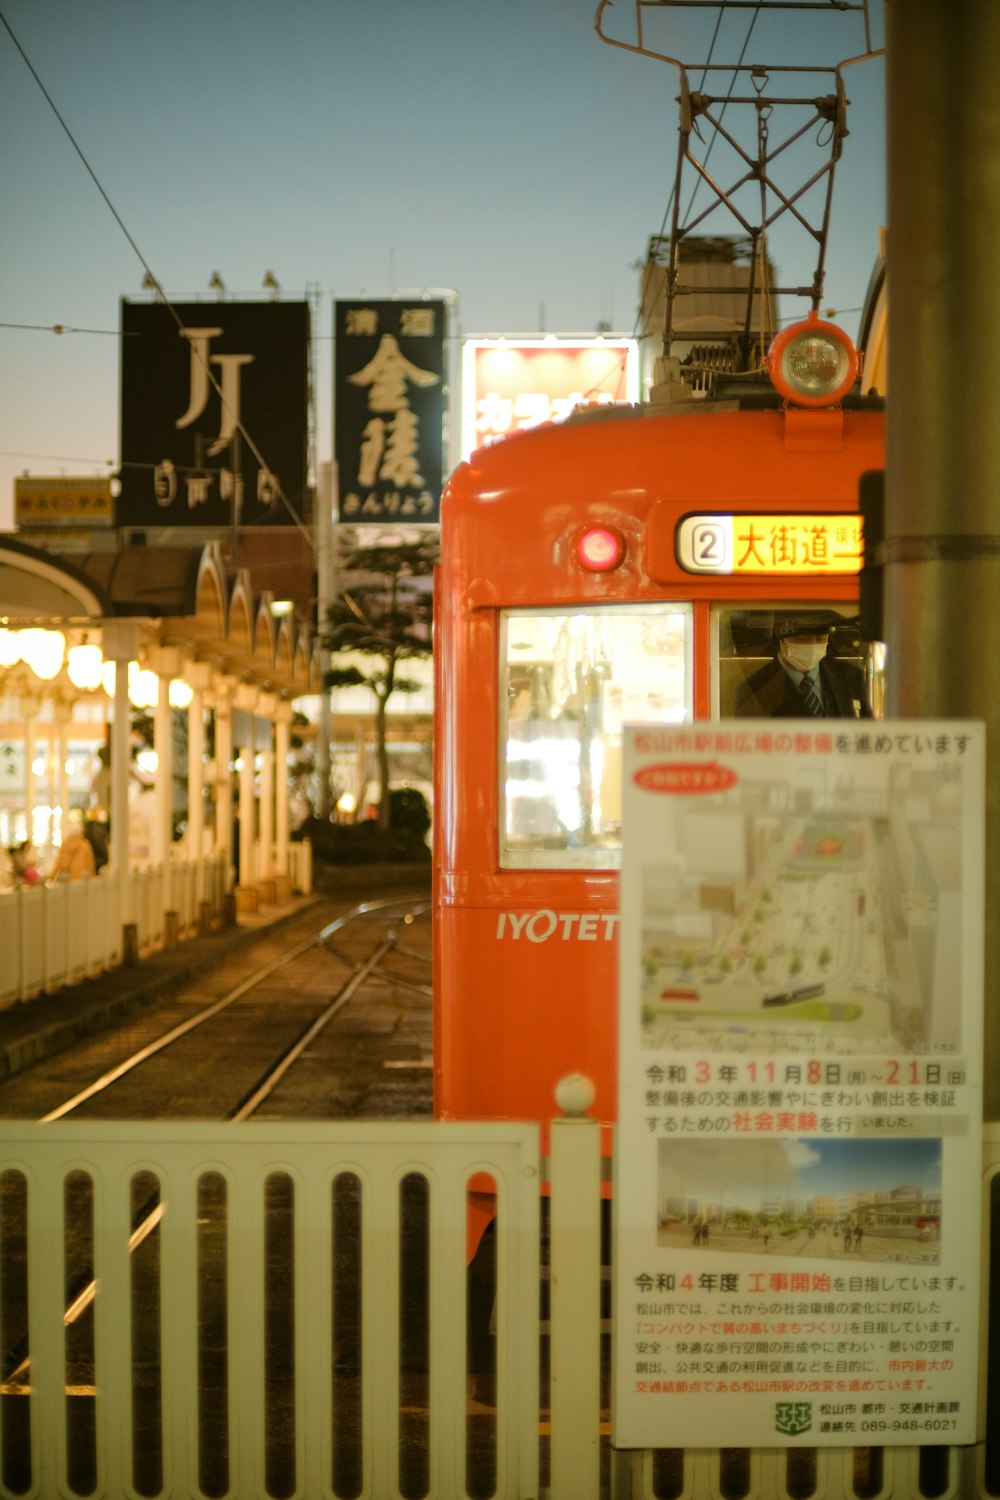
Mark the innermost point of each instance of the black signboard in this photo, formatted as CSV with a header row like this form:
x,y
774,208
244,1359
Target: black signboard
x,y
214,409
390,395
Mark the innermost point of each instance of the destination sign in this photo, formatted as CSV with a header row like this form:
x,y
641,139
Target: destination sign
x,y
777,544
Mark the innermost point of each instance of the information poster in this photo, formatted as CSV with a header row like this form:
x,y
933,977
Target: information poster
x,y
797,1172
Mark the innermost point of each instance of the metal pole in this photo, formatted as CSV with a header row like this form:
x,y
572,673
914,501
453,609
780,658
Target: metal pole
x,y
942,523
282,738
196,774
324,597
121,726
266,807
29,708
248,818
224,774
163,739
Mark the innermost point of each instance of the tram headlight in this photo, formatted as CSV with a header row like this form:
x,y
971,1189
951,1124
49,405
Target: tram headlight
x,y
813,363
600,548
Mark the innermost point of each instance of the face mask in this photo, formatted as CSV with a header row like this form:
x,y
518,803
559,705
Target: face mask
x,y
803,655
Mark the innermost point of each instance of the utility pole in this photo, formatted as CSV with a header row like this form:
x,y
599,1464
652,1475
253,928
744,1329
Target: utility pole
x,y
942,511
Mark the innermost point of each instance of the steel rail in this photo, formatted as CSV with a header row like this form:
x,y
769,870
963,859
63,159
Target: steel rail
x,y
145,1225
270,1080
191,1024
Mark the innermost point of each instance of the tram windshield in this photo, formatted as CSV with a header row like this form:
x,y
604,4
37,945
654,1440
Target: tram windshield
x,y
746,644
570,680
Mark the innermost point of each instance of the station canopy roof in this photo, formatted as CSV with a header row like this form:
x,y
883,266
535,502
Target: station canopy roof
x,y
177,597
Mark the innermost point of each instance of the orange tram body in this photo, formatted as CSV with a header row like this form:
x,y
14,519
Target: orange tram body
x,y
627,565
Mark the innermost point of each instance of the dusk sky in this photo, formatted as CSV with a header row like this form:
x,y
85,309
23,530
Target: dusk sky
x,y
748,1172
499,150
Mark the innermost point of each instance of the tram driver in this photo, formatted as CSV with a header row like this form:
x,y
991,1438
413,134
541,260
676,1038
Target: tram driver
x,y
803,678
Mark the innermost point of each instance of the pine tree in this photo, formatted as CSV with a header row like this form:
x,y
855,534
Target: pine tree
x,y
386,613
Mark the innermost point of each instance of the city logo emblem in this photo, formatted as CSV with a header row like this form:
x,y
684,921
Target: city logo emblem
x,y
793,1417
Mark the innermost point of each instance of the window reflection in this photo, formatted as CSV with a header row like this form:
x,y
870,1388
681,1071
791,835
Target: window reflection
x,y
747,641
571,680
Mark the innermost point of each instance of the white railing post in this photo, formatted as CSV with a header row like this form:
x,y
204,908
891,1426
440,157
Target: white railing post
x,y
300,867
575,1293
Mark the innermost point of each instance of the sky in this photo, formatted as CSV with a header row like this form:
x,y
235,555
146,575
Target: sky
x,y
494,148
749,1171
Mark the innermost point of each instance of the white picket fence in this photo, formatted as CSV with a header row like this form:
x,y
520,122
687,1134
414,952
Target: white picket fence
x,y
115,1384
208,1311
56,935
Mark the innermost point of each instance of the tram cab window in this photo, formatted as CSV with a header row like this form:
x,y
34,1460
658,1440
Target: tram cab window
x,y
746,640
569,681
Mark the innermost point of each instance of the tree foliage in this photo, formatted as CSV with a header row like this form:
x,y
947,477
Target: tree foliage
x,y
384,612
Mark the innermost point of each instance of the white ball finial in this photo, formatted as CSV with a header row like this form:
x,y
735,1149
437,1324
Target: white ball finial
x,y
575,1094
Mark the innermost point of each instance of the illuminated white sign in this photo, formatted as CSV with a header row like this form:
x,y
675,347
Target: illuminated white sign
x,y
513,384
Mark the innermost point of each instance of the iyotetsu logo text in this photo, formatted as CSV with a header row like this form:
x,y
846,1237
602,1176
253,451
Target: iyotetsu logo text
x,y
557,926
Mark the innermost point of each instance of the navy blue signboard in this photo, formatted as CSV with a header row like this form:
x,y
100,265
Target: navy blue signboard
x,y
214,413
390,395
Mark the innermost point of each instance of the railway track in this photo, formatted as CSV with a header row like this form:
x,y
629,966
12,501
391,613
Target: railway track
x,y
236,1056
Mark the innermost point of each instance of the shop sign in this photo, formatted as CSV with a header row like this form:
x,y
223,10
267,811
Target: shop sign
x,y
511,385
390,403
215,416
62,502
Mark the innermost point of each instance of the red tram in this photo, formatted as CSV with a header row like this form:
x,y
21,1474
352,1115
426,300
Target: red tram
x,y
626,565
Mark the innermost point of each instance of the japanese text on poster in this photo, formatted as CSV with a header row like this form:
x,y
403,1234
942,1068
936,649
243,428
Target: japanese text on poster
x,y
797,1173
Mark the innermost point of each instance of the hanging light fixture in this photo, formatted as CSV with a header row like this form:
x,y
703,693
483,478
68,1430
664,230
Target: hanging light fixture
x,y
181,693
83,665
10,647
143,686
43,652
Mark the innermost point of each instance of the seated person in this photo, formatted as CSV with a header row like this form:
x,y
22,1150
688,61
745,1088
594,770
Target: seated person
x,y
803,680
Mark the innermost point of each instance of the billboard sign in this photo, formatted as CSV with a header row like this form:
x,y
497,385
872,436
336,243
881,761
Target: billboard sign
x,y
63,502
512,384
214,413
798,1155
390,402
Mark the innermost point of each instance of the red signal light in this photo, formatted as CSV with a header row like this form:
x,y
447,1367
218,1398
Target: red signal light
x,y
600,549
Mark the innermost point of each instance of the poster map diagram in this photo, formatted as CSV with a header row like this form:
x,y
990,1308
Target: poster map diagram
x,y
797,1175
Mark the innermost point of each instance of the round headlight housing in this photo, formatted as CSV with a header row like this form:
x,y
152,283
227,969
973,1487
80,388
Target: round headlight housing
x,y
813,363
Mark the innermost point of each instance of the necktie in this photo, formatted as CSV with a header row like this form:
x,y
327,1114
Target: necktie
x,y
813,700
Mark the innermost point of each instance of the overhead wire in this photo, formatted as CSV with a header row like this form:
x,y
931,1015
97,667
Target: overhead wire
x,y
732,84
61,328
161,295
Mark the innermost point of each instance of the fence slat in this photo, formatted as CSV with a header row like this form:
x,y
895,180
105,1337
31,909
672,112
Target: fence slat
x,y
575,1287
